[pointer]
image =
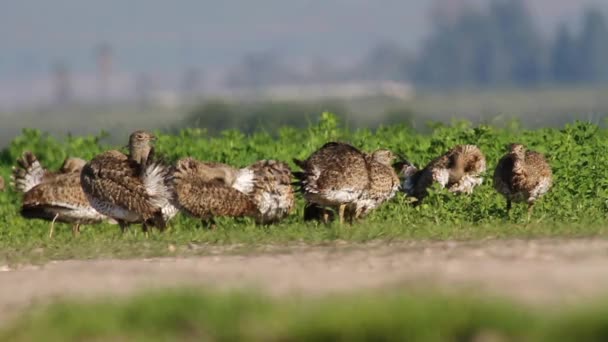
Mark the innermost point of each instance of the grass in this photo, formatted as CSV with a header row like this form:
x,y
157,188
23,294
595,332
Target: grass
x,y
106,241
190,315
575,206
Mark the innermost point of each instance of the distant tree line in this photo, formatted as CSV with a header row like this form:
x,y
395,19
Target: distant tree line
x,y
502,46
491,46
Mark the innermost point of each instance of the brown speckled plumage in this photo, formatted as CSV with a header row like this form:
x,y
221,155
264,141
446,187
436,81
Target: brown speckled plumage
x,y
53,196
272,190
130,189
383,182
206,197
262,190
522,176
459,170
338,175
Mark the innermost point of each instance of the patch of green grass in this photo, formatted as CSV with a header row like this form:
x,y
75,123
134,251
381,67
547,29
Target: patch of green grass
x,y
577,204
106,241
190,315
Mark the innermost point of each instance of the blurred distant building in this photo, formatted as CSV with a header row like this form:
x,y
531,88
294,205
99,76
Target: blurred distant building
x,y
143,90
448,11
318,91
104,70
62,87
191,85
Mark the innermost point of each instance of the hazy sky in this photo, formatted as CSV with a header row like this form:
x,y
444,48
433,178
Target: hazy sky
x,y
166,35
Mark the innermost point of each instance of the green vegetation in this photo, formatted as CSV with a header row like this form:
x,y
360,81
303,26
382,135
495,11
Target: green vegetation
x,y
190,315
577,205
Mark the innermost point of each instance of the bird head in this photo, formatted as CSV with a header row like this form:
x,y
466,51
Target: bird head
x,y
517,150
405,168
385,157
140,145
72,164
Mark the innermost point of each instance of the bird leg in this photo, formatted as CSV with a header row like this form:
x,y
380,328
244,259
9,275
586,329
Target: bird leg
x,y
76,229
325,216
341,212
123,226
530,208
144,228
53,226
209,223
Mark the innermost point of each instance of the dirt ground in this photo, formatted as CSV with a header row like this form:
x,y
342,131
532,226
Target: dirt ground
x,y
534,271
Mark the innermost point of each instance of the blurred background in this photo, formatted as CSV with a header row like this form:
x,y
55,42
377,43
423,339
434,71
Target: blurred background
x,y
72,66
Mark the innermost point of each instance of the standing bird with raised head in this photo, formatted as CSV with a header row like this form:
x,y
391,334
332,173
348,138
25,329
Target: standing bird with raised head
x,y
522,176
459,170
207,190
131,188
54,196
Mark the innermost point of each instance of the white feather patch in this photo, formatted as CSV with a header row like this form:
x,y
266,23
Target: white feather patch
x,y
33,176
79,212
542,188
161,195
244,181
441,176
466,184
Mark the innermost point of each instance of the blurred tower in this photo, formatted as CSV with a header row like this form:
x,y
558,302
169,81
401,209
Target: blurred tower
x,y
191,84
104,70
448,11
143,90
62,87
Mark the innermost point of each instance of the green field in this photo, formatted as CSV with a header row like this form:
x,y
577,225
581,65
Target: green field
x,y
576,206
192,315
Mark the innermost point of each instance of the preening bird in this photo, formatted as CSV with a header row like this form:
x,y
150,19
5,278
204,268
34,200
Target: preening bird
x,y
54,196
132,188
262,190
341,177
522,176
383,182
459,170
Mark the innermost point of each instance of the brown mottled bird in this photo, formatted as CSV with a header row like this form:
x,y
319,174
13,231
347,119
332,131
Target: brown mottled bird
x,y
383,182
522,176
338,175
54,196
459,170
133,188
207,190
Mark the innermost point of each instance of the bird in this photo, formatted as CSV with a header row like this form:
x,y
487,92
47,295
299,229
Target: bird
x,y
262,190
522,176
459,170
54,196
338,175
383,182
133,188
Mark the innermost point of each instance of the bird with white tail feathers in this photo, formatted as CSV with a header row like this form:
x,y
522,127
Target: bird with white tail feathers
x,y
207,190
133,188
459,170
54,196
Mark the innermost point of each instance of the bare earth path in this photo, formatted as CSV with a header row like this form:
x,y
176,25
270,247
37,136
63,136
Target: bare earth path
x,y
535,271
